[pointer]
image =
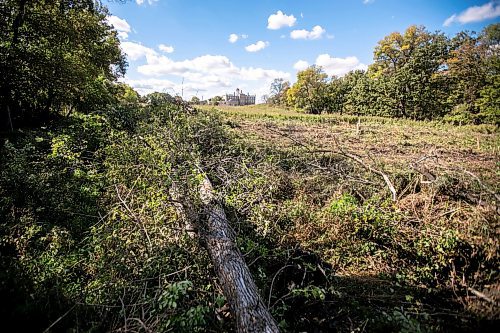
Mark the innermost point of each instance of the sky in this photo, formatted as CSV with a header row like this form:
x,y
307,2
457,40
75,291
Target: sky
x,y
207,48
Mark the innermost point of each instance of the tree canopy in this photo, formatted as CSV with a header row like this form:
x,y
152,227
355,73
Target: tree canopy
x,y
416,74
55,54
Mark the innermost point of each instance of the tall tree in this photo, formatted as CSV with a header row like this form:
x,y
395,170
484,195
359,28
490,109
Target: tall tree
x,y
310,92
489,101
411,64
278,91
52,53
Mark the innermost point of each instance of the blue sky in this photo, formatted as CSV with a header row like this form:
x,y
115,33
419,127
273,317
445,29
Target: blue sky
x,y
207,48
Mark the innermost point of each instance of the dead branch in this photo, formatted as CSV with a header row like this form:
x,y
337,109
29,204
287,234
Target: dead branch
x,y
481,295
369,168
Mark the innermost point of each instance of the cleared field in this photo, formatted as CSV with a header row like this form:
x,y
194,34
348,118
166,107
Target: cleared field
x,y
397,144
316,184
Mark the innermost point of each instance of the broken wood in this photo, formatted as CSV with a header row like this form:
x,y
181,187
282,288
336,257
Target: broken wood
x,y
234,276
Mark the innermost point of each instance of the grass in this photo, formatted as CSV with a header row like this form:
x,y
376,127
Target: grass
x,y
389,141
404,265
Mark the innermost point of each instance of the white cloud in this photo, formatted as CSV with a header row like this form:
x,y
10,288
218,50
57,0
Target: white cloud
x,y
487,11
316,33
166,48
367,2
216,67
161,65
280,20
233,38
136,51
145,86
260,45
260,73
301,65
203,76
140,2
339,66
450,20
120,25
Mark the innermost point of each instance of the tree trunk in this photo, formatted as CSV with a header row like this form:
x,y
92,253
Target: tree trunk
x,y
234,276
18,21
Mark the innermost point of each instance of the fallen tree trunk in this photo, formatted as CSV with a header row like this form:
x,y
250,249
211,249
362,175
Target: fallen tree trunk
x,y
234,276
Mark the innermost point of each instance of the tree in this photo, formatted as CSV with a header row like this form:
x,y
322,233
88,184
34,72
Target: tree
x,y
216,100
158,99
52,53
410,68
489,101
338,89
465,72
310,92
195,100
473,64
278,91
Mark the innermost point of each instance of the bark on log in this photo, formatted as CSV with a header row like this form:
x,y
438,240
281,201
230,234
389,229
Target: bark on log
x,y
234,276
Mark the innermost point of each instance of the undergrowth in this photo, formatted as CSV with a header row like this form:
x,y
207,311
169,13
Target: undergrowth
x,y
91,239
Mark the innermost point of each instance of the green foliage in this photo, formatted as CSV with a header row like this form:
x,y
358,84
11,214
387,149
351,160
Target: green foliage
x,y
344,206
89,204
55,55
310,91
89,220
404,322
489,102
417,74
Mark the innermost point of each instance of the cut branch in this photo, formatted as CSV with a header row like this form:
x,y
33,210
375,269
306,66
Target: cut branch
x,y
371,169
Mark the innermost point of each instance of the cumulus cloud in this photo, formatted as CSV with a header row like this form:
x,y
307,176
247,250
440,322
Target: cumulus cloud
x,y
472,14
166,48
137,51
207,75
149,85
254,74
301,65
280,20
203,67
339,66
260,45
120,25
316,33
233,38
161,65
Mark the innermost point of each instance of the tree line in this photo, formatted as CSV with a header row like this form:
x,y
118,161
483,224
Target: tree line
x,y
416,74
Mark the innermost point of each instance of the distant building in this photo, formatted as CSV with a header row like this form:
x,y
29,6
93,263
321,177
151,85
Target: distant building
x,y
239,98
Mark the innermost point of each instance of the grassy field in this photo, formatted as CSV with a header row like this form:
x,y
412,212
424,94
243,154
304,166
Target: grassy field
x,y
419,261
